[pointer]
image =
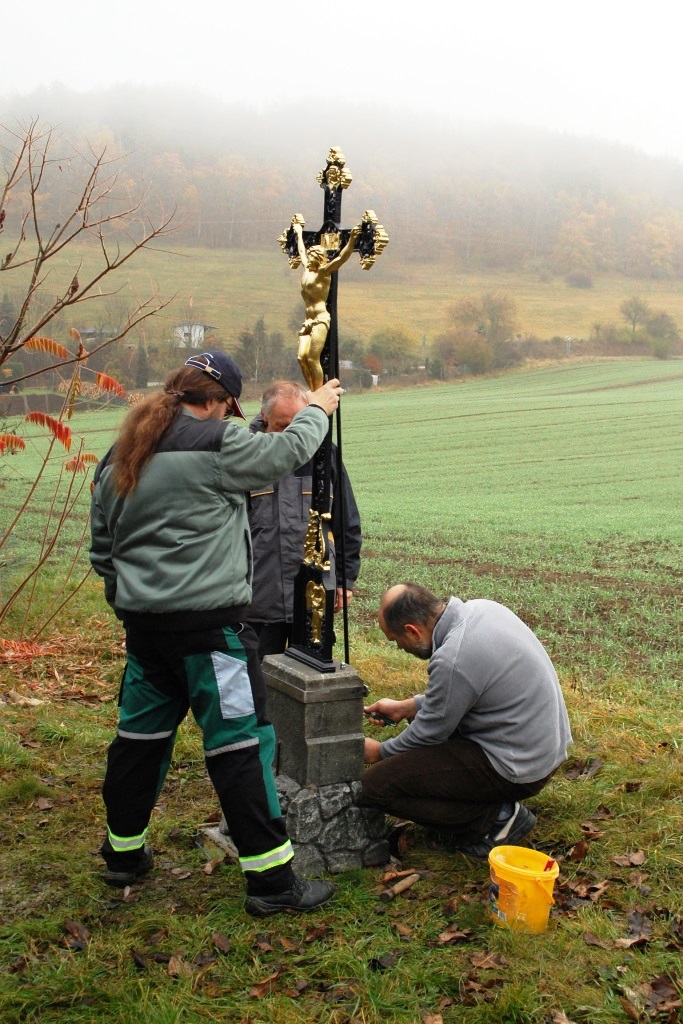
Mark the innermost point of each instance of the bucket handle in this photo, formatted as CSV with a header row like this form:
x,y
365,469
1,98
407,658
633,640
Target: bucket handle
x,y
545,892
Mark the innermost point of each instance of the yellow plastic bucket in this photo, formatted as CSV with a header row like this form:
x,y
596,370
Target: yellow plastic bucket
x,y
521,888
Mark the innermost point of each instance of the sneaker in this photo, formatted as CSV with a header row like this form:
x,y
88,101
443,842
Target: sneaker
x,y
301,898
400,839
121,879
518,825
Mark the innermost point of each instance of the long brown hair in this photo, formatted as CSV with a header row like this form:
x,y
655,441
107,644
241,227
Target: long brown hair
x,y
146,423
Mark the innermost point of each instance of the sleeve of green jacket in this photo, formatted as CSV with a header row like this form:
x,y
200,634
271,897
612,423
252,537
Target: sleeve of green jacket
x,y
101,541
252,460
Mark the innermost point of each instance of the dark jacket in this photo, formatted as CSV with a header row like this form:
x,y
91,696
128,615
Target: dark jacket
x,y
278,517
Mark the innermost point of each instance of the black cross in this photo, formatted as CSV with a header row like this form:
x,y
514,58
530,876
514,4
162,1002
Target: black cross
x,y
313,617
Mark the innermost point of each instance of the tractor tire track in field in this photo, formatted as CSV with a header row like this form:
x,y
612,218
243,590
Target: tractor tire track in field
x,y
480,568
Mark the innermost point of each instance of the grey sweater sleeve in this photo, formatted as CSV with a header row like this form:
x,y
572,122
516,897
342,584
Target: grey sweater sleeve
x,y
439,710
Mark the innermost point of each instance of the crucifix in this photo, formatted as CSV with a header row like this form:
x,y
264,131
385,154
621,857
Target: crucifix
x,y
321,253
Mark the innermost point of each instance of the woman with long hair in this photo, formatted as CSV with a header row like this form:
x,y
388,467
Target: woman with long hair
x,y
170,537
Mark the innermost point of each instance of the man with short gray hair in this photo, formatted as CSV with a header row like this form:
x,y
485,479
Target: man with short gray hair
x,y
489,731
279,518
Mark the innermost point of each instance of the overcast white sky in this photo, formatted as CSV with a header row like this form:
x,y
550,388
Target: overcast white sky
x,y
591,67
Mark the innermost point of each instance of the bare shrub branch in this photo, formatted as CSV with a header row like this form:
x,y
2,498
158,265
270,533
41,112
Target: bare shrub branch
x,y
98,211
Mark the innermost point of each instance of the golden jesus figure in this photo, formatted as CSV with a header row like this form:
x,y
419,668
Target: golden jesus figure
x,y
315,288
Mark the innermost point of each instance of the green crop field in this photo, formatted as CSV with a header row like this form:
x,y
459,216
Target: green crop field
x,y
556,491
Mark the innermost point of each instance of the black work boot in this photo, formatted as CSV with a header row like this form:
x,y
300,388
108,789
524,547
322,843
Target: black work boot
x,y
132,872
301,898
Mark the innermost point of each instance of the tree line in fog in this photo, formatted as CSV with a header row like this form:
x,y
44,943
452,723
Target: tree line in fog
x,y
478,198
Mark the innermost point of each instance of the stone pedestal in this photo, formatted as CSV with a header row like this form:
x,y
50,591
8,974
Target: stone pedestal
x,y
318,720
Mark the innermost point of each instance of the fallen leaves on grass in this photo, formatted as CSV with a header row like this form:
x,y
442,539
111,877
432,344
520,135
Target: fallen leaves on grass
x,y
300,986
630,860
658,998
578,851
181,873
341,993
178,968
142,959
266,986
451,906
80,936
640,931
591,939
484,960
481,991
17,966
590,830
583,769
318,931
453,934
383,963
66,667
203,960
221,942
17,698
587,890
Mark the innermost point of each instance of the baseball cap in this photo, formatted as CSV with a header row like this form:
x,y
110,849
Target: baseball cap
x,y
224,370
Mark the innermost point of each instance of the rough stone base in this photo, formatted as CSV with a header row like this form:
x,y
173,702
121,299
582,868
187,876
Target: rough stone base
x,y
329,832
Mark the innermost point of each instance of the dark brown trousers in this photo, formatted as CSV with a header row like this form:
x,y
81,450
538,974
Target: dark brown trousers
x,y
450,785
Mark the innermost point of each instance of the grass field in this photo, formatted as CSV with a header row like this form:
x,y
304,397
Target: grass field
x,y
234,289
555,491
230,289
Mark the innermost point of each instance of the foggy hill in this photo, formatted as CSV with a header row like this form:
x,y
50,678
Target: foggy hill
x,y
476,195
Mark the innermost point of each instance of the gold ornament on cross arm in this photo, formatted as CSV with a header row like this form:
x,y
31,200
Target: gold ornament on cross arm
x,y
380,238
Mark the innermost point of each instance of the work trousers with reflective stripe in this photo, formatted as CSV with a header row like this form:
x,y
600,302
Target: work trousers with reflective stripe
x,y
216,673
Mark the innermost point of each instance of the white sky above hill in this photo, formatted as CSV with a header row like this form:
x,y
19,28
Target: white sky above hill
x,y
599,68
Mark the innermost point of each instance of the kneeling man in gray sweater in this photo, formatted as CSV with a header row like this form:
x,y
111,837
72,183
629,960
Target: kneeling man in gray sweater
x,y
490,730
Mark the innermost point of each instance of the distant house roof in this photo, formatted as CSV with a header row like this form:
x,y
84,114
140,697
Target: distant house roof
x,y
191,334
187,324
